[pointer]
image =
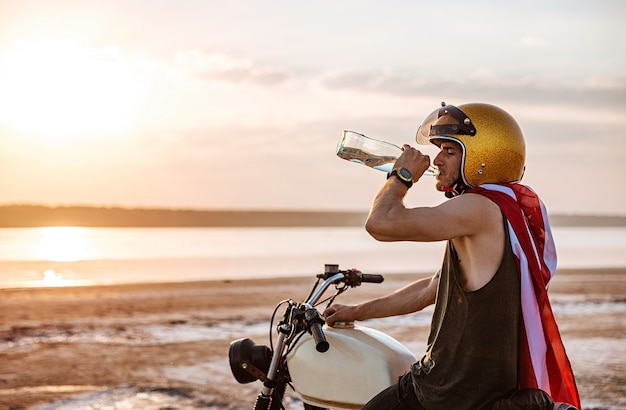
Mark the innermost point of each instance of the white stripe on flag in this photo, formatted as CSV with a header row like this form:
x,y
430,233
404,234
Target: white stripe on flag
x,y
532,319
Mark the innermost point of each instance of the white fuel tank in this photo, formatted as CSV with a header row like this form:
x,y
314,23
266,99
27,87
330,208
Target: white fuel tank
x,y
360,363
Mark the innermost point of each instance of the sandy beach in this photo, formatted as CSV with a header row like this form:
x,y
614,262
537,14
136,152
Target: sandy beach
x,y
156,346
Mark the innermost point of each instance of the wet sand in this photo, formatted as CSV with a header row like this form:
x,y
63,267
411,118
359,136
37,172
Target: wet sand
x,y
165,345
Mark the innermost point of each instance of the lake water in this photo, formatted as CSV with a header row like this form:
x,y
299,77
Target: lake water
x,y
55,256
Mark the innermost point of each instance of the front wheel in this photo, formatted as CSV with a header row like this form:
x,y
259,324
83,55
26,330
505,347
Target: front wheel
x,y
274,402
277,397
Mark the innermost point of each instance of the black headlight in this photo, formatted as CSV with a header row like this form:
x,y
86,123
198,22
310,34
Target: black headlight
x,y
248,362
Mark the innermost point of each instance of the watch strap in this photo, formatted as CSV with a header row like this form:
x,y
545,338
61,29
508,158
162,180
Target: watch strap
x,y
408,184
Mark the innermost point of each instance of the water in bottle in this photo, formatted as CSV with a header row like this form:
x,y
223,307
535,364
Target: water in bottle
x,y
380,155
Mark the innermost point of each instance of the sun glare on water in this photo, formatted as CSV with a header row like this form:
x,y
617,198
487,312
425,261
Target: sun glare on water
x,y
62,244
51,278
58,87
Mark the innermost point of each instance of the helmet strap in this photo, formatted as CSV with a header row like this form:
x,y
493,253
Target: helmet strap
x,y
455,189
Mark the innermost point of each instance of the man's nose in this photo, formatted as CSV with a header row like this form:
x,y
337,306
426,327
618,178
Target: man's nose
x,y
437,160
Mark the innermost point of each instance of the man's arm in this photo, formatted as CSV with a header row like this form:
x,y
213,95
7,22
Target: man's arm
x,y
465,215
411,298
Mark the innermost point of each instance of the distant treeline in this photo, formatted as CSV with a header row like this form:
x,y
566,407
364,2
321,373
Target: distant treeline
x,y
33,216
14,216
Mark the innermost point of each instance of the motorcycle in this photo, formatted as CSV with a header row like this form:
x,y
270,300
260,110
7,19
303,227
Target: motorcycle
x,y
322,364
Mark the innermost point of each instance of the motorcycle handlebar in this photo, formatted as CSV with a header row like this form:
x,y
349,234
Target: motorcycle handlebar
x,y
350,277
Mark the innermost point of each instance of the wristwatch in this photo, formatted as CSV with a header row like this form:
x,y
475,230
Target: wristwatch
x,y
403,175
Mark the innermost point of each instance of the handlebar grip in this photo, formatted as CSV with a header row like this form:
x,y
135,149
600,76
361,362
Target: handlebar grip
x,y
372,278
321,345
314,323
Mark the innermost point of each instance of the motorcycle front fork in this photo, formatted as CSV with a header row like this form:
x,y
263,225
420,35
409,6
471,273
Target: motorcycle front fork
x,y
264,398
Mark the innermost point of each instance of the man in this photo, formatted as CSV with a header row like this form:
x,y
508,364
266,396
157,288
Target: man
x,y
492,331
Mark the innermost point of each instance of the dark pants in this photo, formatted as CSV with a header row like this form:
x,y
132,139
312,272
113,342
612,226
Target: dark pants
x,y
400,396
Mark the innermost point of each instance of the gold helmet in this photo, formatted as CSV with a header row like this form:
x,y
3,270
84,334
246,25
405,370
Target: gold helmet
x,y
492,142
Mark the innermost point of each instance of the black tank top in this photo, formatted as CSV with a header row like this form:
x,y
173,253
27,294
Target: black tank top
x,y
473,347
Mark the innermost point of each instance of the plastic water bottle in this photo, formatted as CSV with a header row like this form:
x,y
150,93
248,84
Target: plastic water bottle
x,y
380,155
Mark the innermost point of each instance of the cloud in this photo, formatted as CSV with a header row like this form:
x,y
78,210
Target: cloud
x,y
480,84
221,88
219,66
485,85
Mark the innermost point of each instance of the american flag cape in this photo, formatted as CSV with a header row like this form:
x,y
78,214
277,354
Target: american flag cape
x,y
543,360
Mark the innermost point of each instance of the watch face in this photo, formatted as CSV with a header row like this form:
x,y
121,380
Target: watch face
x,y
405,174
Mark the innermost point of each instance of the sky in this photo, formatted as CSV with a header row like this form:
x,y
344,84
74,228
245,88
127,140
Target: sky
x,y
239,105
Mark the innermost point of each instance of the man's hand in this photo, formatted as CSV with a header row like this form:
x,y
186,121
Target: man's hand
x,y
339,313
413,160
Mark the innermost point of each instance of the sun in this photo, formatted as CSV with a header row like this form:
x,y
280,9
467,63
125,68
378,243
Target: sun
x,y
59,87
